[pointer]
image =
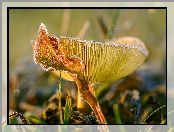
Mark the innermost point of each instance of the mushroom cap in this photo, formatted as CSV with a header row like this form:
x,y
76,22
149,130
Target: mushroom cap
x,y
104,61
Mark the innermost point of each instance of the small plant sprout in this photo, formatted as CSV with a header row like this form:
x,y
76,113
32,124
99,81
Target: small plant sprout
x,y
89,62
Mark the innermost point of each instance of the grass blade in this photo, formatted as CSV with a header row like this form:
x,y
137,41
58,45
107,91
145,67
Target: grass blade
x,y
117,117
113,24
67,110
59,98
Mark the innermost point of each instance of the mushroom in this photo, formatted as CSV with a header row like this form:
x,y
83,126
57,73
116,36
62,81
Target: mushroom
x,y
88,62
115,59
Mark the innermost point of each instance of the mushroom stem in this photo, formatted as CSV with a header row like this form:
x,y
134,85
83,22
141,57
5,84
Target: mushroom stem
x,y
85,88
82,106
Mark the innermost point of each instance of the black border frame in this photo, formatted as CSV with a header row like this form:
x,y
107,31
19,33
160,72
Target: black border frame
x,y
8,8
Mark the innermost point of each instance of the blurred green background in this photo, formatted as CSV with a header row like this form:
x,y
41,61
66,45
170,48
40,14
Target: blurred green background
x,y
147,24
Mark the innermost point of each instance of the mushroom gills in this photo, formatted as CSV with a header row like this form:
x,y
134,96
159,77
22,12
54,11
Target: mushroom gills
x,y
106,61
